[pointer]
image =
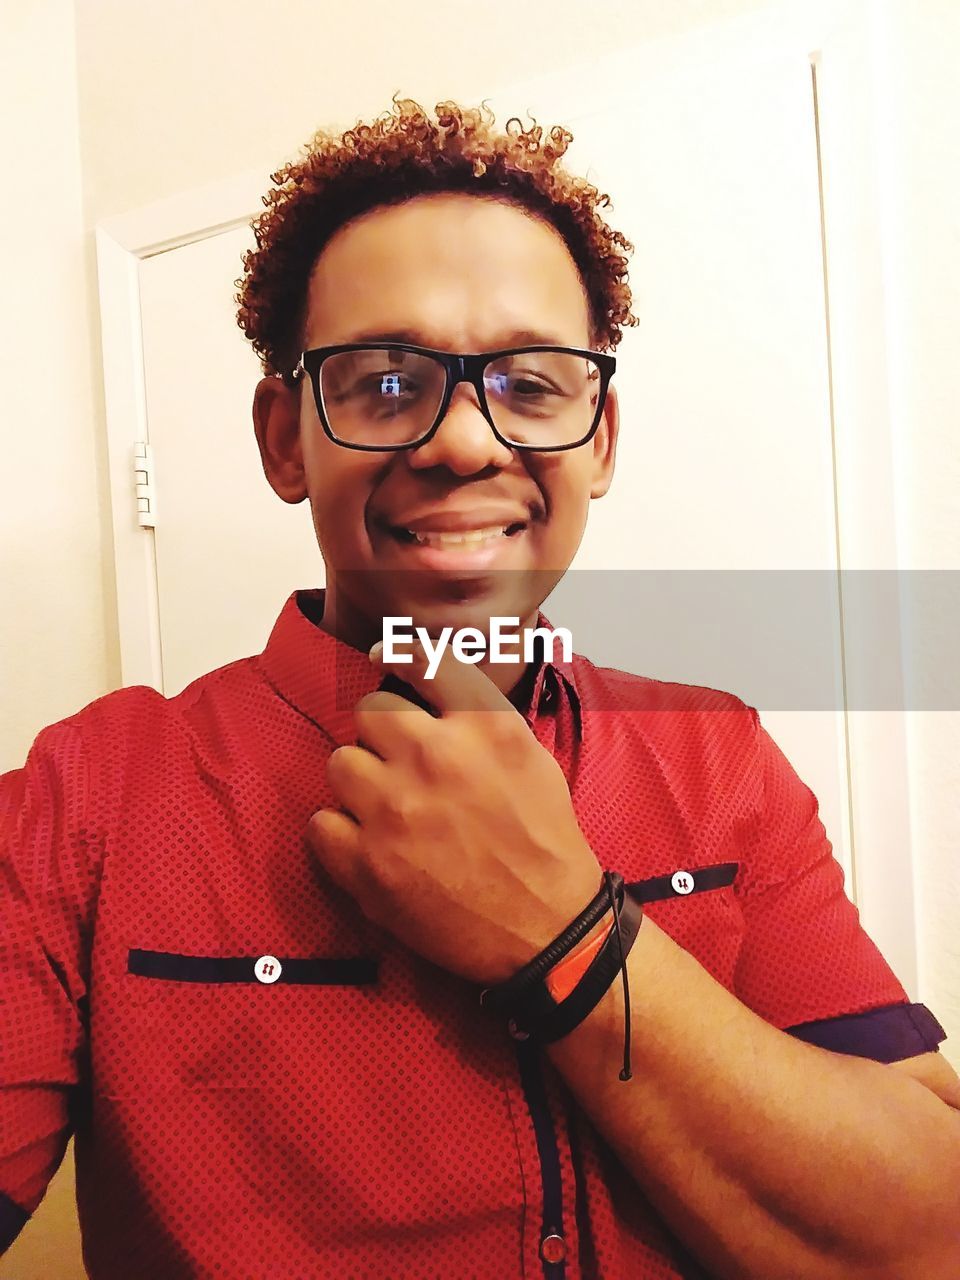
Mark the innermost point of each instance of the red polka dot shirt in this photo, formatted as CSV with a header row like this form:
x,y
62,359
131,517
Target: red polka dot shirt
x,y
263,1084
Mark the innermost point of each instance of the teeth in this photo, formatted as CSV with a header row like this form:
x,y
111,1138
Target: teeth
x,y
464,537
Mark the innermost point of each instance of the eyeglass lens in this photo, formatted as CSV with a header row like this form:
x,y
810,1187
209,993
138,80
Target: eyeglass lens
x,y
387,396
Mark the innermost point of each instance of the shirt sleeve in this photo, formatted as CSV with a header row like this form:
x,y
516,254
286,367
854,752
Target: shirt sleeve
x,y
46,901
807,965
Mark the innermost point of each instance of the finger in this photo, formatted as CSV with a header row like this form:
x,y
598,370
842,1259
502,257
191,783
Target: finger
x,y
387,724
335,839
355,776
455,686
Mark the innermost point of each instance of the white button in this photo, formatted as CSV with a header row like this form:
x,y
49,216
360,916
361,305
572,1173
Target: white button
x,y
267,969
681,882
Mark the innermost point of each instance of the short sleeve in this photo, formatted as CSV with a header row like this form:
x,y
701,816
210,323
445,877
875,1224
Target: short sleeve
x,y
46,895
806,964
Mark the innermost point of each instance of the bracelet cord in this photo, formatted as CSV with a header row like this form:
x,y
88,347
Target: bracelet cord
x,y
625,1072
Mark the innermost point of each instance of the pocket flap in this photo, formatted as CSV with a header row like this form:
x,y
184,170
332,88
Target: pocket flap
x,y
347,971
684,881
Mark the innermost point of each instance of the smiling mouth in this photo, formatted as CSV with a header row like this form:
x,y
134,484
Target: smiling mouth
x,y
466,538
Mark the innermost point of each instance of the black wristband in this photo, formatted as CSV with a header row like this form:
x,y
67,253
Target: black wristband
x,y
538,1015
503,997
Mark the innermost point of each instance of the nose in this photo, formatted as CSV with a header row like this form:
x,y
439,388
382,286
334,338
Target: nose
x,y
464,441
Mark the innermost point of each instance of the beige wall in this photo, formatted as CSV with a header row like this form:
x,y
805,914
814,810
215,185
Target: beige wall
x,y
919,51
55,638
209,90
139,101
54,651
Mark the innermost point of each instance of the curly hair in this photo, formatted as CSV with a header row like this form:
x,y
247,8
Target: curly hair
x,y
404,153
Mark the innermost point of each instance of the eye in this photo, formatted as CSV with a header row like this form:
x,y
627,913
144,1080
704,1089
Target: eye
x,y
530,387
521,384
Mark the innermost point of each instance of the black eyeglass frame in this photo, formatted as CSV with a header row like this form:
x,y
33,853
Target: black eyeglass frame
x,y
458,367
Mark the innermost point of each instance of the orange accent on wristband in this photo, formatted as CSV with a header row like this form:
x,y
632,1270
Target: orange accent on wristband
x,y
566,973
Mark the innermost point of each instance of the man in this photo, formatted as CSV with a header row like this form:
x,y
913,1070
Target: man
x,y
247,928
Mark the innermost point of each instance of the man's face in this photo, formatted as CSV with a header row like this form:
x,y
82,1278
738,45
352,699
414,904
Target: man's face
x,y
455,273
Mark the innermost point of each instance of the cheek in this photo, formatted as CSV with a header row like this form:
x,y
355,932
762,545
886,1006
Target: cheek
x,y
566,485
339,484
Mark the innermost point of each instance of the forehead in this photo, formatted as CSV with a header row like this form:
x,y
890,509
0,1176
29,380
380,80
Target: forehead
x,y
447,270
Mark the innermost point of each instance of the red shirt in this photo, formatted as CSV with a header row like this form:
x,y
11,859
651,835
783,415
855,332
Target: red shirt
x,y
359,1115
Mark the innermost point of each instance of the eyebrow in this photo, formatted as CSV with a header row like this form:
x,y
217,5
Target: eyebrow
x,y
502,341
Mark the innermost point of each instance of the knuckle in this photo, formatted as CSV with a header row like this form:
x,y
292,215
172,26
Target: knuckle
x,y
399,811
509,734
454,752
431,751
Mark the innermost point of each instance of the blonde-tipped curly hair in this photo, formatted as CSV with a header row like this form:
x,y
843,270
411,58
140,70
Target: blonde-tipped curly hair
x,y
406,153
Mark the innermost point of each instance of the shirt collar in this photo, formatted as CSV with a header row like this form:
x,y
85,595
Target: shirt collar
x,y
324,678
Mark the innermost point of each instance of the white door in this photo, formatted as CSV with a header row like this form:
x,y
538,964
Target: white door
x,y
725,466
228,551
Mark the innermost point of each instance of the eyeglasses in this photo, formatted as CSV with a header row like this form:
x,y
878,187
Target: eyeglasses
x,y
389,395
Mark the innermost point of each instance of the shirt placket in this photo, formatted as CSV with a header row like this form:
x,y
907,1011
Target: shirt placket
x,y
551,1234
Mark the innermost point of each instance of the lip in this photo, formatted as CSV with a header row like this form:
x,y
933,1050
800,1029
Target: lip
x,y
458,521
501,552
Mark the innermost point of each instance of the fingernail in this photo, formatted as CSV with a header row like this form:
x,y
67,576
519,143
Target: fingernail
x,y
376,651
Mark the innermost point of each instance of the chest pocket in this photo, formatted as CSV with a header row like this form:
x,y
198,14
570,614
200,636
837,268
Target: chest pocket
x,y
177,1021
698,908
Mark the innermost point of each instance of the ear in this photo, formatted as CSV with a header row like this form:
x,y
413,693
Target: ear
x,y
276,422
605,446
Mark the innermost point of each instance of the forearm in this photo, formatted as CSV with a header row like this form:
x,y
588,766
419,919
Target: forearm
x,y
768,1156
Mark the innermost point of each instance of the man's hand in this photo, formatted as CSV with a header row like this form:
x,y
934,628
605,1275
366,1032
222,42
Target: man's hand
x,y
457,832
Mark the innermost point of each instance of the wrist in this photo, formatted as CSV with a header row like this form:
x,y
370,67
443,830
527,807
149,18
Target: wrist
x,y
504,996
557,990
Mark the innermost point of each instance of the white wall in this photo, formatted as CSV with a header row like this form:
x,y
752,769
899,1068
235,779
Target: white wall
x,y
208,90
55,640
917,56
